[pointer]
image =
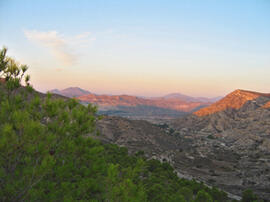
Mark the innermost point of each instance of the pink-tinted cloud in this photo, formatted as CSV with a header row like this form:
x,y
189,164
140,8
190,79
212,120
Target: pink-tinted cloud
x,y
60,46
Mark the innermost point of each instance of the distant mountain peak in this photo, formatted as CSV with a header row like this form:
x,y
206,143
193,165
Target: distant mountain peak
x,y
191,99
71,92
234,100
173,95
74,88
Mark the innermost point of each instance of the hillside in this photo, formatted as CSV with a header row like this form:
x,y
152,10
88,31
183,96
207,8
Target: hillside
x,y
231,135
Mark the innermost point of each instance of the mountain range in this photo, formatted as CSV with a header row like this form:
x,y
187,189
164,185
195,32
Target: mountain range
x,y
177,104
136,107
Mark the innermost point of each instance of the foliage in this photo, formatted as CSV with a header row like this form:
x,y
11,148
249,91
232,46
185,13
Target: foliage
x,y
12,71
203,196
248,196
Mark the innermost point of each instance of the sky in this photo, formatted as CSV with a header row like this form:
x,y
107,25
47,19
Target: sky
x,y
148,48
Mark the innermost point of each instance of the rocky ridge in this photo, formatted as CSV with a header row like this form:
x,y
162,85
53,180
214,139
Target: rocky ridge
x,y
234,100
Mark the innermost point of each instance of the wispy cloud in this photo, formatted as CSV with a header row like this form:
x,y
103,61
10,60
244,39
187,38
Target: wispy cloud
x,y
60,46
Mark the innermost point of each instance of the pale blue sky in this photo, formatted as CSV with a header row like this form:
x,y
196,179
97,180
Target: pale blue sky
x,y
150,48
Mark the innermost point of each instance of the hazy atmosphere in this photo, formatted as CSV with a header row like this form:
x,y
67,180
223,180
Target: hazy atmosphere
x,y
199,48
